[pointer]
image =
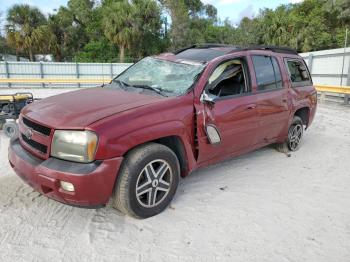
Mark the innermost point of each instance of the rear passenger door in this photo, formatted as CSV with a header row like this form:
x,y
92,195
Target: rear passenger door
x,y
272,102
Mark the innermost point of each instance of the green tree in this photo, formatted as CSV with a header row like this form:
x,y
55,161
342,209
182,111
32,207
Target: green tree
x,y
134,26
92,30
147,27
276,26
117,25
72,27
189,21
23,28
98,51
310,28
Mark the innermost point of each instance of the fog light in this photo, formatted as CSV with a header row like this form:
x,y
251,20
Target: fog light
x,y
67,186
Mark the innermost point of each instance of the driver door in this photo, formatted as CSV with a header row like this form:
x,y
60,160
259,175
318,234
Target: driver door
x,y
232,113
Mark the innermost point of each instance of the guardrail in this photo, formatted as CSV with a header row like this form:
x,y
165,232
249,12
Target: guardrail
x,y
333,89
343,90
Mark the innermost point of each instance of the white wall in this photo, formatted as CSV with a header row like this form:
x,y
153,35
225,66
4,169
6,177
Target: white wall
x,y
326,66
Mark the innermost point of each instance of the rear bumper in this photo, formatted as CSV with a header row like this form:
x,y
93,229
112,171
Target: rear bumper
x,y
93,182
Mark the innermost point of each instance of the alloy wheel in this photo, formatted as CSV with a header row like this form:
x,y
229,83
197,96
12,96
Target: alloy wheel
x,y
153,183
294,136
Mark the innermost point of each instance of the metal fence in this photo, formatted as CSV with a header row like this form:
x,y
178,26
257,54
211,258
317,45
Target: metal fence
x,y
330,67
102,72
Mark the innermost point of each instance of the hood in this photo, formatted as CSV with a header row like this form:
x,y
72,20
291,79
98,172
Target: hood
x,y
78,109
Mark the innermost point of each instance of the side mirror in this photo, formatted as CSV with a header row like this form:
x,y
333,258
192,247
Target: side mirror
x,y
213,134
207,98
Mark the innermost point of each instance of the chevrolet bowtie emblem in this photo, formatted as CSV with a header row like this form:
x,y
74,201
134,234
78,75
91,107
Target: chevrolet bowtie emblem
x,y
28,134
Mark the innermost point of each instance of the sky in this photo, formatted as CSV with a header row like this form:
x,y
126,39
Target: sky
x,y
235,10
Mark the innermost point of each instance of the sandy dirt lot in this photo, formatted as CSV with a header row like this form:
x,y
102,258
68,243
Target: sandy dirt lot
x,y
263,206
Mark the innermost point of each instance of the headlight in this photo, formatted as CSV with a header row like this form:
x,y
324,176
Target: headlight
x,y
77,146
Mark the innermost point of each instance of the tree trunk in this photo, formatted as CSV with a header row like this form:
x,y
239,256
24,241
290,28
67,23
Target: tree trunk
x,y
58,56
31,57
121,54
17,55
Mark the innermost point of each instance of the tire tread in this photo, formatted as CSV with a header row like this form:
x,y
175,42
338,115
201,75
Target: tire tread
x,y
120,199
283,147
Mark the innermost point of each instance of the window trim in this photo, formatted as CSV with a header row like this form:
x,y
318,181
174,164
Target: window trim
x,y
274,73
246,73
280,69
297,84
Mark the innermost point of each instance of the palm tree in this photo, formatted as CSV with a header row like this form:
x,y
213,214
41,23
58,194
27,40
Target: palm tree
x,y
118,26
23,28
147,26
276,26
14,40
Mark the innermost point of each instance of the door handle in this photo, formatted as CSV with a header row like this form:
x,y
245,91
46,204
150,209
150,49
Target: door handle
x,y
251,106
284,100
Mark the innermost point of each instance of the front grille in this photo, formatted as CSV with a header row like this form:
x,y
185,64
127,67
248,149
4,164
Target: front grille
x,y
38,128
40,147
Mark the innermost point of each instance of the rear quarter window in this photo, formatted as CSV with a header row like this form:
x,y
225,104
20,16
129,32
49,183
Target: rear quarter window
x,y
297,72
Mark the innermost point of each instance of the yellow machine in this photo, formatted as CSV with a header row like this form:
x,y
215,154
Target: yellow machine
x,y
10,108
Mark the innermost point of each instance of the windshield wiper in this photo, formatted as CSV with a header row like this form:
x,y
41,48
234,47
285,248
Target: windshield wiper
x,y
158,90
122,84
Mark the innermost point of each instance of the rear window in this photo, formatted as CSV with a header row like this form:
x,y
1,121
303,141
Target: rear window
x,y
267,71
298,73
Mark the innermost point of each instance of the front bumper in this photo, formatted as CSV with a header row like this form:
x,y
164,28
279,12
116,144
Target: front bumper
x,y
93,182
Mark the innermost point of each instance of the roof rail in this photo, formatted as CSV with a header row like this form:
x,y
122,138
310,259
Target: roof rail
x,y
205,45
276,49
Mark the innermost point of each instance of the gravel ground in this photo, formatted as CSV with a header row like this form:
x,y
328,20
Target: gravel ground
x,y
262,206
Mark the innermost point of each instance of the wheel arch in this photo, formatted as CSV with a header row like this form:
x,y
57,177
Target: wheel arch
x,y
304,114
176,144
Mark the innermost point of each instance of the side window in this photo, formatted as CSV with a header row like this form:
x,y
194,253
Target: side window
x,y
298,72
229,78
268,74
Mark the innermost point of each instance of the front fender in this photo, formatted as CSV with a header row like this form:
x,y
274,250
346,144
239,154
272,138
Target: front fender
x,y
120,145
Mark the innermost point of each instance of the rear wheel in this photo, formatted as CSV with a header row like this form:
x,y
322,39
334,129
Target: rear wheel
x,y
295,134
147,181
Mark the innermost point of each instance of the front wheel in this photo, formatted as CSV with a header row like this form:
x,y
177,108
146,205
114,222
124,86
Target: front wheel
x,y
295,134
147,181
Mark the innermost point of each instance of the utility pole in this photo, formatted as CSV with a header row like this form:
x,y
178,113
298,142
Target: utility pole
x,y
345,45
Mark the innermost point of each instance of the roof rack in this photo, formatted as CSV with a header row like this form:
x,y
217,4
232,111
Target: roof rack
x,y
205,45
276,49
197,51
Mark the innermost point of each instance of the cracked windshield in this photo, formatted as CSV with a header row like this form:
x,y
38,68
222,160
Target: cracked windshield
x,y
170,78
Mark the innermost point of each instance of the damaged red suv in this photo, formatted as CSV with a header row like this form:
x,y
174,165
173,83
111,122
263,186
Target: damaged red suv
x,y
130,141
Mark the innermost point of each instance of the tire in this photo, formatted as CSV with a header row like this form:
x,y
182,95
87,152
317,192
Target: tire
x,y
295,134
146,170
11,129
